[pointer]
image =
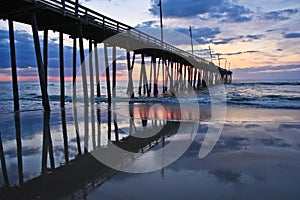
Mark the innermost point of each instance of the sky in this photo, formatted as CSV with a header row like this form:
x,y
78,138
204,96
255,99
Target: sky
x,y
259,38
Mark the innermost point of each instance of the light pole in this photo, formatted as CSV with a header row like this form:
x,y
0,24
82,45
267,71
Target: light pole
x,y
161,22
191,34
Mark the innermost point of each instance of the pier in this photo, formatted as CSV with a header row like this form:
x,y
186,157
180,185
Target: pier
x,y
176,67
164,69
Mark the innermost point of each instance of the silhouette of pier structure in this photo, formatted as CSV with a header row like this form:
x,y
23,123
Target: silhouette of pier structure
x,y
173,68
177,68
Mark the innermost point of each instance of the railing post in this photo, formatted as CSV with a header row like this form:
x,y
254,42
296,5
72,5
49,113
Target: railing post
x,y
64,7
76,7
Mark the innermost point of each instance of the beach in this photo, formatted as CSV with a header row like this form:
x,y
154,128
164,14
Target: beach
x,y
256,157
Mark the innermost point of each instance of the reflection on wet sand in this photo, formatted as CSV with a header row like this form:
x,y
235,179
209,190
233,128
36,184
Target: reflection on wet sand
x,y
142,130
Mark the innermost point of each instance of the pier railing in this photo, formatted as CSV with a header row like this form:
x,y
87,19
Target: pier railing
x,y
77,11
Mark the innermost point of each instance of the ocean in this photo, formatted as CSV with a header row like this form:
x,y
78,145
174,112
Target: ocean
x,y
259,94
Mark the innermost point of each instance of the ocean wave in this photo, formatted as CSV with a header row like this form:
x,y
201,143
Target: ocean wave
x,y
266,83
271,105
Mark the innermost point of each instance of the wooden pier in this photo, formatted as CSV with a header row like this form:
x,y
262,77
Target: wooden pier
x,y
173,65
173,68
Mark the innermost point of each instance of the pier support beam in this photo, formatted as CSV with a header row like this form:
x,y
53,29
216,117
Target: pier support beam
x,y
92,93
97,70
155,92
107,74
41,69
46,56
114,66
3,164
130,90
74,96
85,96
13,66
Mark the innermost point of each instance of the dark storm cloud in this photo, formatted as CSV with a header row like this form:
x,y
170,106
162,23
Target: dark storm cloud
x,y
25,51
291,35
279,15
225,11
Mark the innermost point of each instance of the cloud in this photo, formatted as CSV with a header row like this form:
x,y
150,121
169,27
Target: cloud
x,y
225,40
291,35
231,13
240,52
255,37
268,72
147,24
277,29
224,10
250,38
203,35
25,51
279,15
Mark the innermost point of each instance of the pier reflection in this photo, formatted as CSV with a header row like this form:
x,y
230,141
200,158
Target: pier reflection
x,y
51,154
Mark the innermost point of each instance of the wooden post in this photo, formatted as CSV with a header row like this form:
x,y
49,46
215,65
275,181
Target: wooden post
x,y
13,66
163,73
172,76
185,74
46,56
189,75
92,94
116,125
19,147
85,96
114,66
150,81
97,70
47,144
3,164
181,76
158,69
65,136
155,77
74,63
145,75
195,77
99,124
62,96
167,75
140,81
74,96
107,74
109,121
41,68
130,69
91,69
199,79
76,7
62,73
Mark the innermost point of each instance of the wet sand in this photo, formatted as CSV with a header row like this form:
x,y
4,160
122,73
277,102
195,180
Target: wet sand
x,y
256,157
